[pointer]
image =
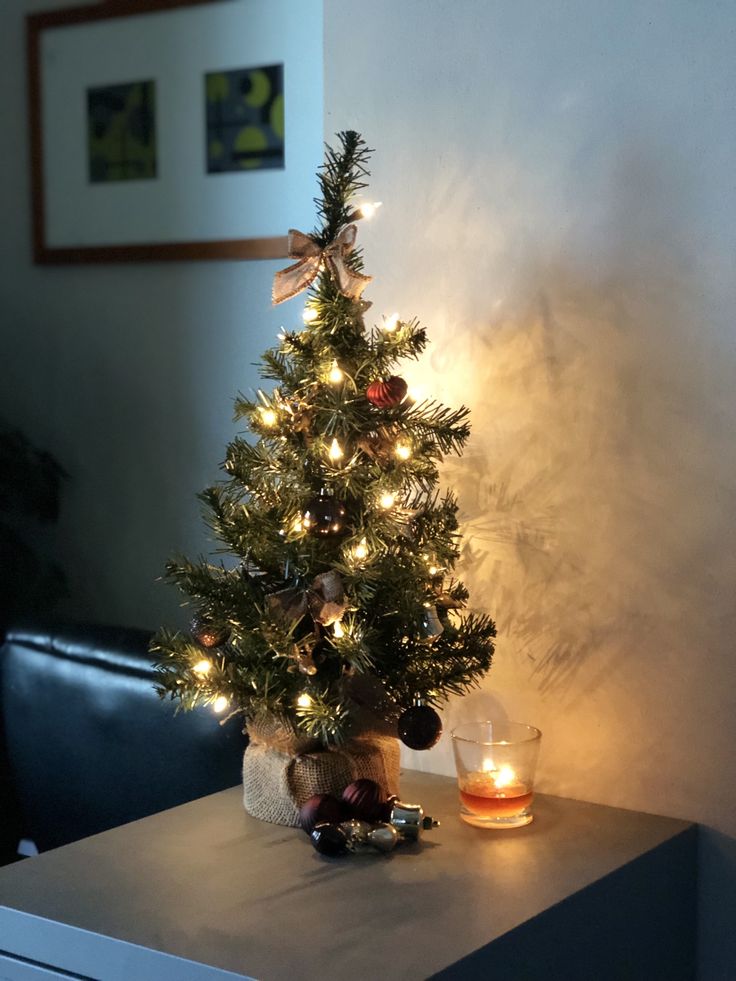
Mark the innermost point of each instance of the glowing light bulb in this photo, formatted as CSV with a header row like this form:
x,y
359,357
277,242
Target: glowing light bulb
x,y
298,525
369,208
304,700
202,667
268,417
220,703
310,314
335,375
335,451
337,628
391,323
387,500
416,393
402,451
361,550
433,570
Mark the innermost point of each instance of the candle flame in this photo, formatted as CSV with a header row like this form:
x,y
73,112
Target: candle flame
x,y
502,777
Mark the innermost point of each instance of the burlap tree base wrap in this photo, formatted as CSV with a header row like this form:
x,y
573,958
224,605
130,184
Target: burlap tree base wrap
x,y
282,770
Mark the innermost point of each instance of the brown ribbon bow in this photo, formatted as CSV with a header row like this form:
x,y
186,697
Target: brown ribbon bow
x,y
323,599
292,280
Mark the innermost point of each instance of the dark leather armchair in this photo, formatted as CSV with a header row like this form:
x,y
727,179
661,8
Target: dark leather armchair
x,y
85,742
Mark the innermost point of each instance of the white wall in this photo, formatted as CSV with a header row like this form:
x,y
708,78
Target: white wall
x,y
560,212
127,373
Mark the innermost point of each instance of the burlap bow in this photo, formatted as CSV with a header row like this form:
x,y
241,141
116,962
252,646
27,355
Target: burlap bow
x,y
292,280
323,599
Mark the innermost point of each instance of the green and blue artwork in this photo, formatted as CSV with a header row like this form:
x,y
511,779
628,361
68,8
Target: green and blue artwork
x,y
121,125
245,119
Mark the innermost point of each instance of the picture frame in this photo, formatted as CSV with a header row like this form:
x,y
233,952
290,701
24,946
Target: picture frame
x,y
172,129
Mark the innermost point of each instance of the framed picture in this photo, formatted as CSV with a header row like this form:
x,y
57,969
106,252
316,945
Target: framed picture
x,y
173,129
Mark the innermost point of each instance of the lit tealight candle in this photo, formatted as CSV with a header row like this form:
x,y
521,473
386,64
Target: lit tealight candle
x,y
495,792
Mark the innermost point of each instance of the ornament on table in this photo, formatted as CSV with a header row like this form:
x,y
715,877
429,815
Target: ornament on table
x,y
329,840
323,600
409,820
354,836
208,634
420,726
429,628
384,394
362,836
313,257
364,797
324,515
322,809
362,820
407,823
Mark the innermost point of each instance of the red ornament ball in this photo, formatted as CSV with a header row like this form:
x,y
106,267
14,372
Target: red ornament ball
x,y
321,809
384,394
364,798
420,727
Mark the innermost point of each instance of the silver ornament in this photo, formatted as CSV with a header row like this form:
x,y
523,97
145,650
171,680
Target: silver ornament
x,y
430,625
383,837
410,820
356,833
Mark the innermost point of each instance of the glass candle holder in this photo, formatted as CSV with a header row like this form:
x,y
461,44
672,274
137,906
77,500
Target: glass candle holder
x,y
495,772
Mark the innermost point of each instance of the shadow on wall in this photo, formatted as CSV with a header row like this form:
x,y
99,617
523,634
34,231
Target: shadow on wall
x,y
599,486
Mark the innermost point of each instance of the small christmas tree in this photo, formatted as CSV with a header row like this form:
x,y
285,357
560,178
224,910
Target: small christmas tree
x,y
344,546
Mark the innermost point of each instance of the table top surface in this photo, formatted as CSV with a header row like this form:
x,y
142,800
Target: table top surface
x,y
207,882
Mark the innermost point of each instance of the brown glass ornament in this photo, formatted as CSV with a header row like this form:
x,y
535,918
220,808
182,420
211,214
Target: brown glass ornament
x,y
321,809
207,633
384,394
419,727
324,515
364,798
329,840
